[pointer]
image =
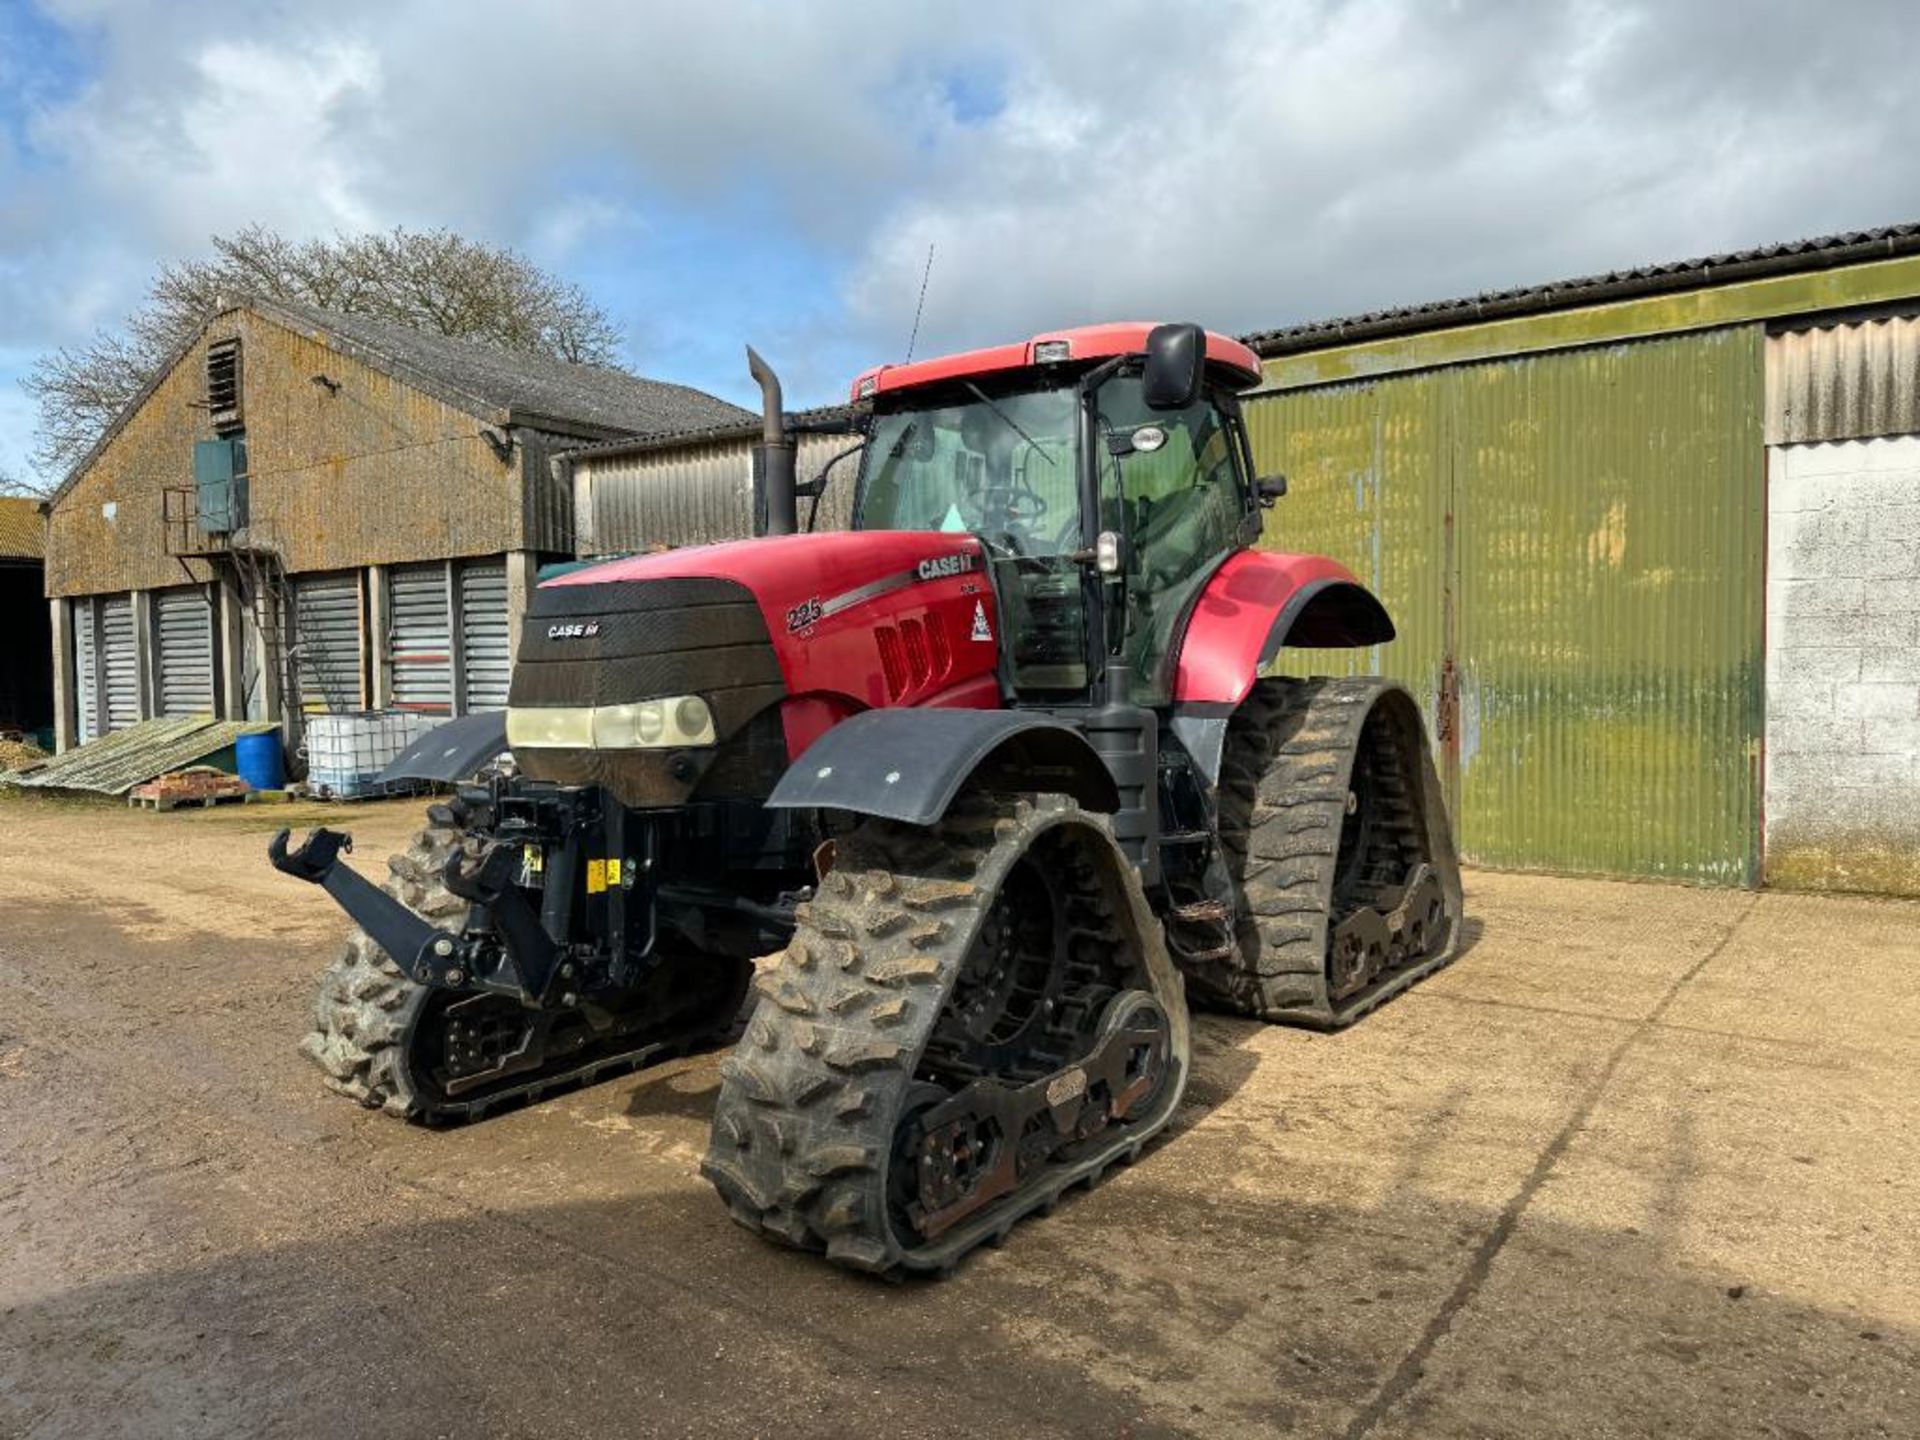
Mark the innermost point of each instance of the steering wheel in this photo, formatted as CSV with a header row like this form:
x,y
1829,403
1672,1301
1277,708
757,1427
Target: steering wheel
x,y
1008,541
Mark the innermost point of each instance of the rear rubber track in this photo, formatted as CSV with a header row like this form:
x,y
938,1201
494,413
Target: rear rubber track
x,y
810,1099
1287,776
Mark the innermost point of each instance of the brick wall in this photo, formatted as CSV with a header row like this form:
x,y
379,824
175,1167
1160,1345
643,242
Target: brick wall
x,y
1843,665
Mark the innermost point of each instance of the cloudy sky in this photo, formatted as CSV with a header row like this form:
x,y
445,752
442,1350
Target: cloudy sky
x,y
720,172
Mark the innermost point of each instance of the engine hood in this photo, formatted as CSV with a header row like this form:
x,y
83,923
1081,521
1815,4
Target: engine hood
x,y
879,617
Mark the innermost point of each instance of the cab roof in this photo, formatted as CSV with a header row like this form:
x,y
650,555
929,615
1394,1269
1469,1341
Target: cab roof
x,y
1086,342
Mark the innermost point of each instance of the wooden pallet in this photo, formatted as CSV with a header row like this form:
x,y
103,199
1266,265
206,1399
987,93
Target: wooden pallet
x,y
164,803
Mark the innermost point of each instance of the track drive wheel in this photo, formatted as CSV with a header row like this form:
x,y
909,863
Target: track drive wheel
x,y
1346,883
971,1017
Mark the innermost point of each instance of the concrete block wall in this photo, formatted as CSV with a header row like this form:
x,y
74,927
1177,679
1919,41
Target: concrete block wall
x,y
1843,665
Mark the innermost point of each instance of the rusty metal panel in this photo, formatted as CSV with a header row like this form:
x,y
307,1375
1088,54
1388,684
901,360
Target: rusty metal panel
x,y
1828,380
693,494
1611,552
1572,546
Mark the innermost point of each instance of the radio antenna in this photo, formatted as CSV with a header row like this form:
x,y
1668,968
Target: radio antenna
x,y
925,275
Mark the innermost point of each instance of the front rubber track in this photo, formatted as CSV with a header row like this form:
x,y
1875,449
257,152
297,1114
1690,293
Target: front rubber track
x,y
810,1098
365,1011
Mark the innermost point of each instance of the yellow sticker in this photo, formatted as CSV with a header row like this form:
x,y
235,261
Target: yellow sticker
x,y
613,871
596,876
536,859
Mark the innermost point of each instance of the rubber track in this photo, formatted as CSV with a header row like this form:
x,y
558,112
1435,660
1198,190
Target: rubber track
x,y
365,1008
810,1098
1284,779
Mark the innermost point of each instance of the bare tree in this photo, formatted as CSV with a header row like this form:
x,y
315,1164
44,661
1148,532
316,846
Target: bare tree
x,y
12,485
430,280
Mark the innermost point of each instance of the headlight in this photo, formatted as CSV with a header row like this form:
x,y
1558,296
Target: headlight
x,y
677,720
563,729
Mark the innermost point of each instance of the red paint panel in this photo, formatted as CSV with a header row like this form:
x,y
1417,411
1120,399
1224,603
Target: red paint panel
x,y
1088,342
837,603
1220,657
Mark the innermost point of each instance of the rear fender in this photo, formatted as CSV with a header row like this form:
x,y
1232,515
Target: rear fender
x,y
908,763
1259,601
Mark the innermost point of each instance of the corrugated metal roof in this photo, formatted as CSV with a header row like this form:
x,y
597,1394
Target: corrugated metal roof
x,y
530,387
1824,252
1843,381
115,763
22,531
488,382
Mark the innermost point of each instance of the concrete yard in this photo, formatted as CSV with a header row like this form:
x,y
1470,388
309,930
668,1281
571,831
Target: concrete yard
x,y
1646,1161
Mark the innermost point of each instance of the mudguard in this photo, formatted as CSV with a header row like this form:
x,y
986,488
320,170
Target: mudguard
x,y
452,752
1260,600
908,763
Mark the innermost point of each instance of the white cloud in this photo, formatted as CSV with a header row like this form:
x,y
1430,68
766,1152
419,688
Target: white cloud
x,y
1245,164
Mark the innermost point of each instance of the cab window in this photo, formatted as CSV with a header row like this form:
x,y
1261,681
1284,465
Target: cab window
x,y
1172,488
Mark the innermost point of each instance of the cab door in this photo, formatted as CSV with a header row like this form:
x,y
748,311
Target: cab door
x,y
1173,487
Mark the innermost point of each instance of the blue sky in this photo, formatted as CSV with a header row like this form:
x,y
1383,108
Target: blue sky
x,y
776,173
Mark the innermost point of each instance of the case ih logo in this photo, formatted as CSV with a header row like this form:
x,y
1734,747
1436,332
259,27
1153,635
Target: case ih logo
x,y
945,565
573,630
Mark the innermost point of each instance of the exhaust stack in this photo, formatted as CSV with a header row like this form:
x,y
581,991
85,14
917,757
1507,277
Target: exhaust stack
x,y
776,510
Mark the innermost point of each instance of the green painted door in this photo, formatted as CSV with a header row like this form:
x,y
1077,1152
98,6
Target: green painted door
x,y
1572,546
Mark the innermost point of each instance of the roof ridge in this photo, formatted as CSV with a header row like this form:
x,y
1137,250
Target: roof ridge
x,y
1776,258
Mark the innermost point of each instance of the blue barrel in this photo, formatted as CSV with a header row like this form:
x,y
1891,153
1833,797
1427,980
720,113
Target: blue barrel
x,y
261,764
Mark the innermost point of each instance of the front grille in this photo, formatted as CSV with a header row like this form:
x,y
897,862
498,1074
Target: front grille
x,y
627,640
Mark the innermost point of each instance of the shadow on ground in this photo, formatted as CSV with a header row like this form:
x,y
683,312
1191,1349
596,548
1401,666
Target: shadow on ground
x,y
570,1320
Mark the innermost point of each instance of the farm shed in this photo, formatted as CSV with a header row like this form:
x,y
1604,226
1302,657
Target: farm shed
x,y
1652,540
310,511
696,486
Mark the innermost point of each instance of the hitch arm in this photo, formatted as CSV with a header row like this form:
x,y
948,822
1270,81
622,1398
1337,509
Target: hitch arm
x,y
409,939
530,951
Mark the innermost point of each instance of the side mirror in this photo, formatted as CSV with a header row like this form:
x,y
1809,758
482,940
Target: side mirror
x,y
1270,488
1176,365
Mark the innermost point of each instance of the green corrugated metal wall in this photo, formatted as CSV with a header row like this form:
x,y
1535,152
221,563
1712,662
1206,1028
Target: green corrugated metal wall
x,y
1572,545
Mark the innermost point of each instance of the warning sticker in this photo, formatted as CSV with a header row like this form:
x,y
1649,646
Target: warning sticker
x,y
981,630
613,872
596,877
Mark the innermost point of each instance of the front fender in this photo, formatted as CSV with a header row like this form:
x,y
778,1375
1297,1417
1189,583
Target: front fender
x,y
1260,600
908,763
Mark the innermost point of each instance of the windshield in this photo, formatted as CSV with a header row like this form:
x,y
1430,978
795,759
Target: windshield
x,y
1005,467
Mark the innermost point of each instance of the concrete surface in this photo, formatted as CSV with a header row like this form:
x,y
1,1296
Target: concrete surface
x,y
1642,1163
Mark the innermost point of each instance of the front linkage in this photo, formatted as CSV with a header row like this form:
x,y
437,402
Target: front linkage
x,y
537,841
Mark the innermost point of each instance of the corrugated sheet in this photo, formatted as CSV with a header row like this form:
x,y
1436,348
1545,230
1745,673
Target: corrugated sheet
x,y
326,637
1844,381
420,638
692,495
485,647
22,531
122,655
1369,472
1581,604
115,763
86,677
183,650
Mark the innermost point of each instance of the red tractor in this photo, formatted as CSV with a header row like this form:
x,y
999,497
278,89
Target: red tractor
x,y
993,779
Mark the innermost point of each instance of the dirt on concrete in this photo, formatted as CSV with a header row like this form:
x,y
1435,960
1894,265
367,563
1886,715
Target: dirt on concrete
x,y
1642,1163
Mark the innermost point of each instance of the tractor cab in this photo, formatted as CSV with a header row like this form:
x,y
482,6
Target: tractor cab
x,y
1105,471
